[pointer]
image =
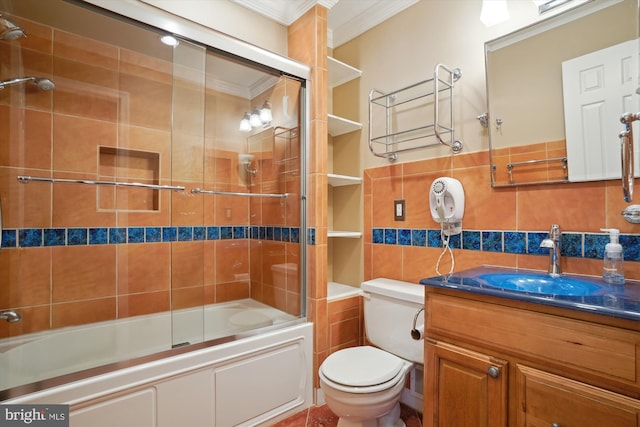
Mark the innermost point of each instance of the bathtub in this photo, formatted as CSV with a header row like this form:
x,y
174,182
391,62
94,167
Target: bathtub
x,y
268,373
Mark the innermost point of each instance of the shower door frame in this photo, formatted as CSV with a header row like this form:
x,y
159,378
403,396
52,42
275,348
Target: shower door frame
x,y
259,57
190,30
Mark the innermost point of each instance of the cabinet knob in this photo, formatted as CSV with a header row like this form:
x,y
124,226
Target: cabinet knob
x,y
494,372
555,425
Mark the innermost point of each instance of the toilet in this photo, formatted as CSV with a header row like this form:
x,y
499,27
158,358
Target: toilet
x,y
363,385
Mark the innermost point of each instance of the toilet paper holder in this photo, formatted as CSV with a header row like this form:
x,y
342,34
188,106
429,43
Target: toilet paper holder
x,y
417,332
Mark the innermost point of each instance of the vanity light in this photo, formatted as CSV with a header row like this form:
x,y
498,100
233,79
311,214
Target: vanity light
x,y
265,113
493,12
258,117
169,40
255,118
245,123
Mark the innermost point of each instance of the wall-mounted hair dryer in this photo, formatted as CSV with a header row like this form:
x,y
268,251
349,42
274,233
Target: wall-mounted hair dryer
x,y
446,199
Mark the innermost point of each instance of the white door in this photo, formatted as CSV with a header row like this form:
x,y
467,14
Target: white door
x,y
598,88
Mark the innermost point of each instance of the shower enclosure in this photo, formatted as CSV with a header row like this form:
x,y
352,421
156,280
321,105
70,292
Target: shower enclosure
x,y
152,195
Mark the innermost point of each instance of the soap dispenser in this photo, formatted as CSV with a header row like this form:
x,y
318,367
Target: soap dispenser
x,y
613,267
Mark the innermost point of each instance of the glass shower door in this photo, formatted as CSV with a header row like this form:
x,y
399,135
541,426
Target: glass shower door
x,y
188,233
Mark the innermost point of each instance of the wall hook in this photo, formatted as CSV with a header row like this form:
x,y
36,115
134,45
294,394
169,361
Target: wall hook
x,y
484,119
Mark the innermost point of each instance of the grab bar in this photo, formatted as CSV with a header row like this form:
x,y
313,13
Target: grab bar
x,y
626,155
511,165
626,152
27,179
232,193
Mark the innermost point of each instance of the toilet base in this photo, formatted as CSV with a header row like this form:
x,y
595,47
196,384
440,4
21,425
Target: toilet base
x,y
390,419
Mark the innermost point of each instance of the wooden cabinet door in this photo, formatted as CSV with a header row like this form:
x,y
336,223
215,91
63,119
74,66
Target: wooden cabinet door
x,y
544,399
463,388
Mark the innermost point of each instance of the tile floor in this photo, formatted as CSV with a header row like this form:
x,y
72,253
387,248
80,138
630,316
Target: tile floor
x,y
321,416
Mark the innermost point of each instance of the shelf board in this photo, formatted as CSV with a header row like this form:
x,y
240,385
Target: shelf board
x,y
340,73
347,234
340,126
342,180
337,290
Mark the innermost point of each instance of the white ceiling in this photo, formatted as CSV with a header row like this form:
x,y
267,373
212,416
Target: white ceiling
x,y
347,19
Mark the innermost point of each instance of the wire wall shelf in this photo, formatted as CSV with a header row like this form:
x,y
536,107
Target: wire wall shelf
x,y
392,116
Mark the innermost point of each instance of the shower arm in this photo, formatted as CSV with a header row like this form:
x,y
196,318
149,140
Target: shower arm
x,y
42,83
15,81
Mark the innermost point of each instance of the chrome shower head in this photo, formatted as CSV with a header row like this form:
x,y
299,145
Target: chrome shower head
x,y
42,83
10,30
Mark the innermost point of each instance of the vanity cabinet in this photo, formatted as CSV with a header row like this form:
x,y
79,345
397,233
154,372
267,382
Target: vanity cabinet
x,y
557,367
545,399
468,388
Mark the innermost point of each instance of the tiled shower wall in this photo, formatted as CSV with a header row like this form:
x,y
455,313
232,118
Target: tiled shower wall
x,y
75,254
501,226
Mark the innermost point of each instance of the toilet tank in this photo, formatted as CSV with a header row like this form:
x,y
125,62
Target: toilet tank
x,y
389,309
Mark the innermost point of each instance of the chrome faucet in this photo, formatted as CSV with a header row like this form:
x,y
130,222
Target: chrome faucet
x,y
554,244
10,316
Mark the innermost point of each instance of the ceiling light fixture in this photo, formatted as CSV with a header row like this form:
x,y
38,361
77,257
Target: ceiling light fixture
x,y
494,12
169,40
547,5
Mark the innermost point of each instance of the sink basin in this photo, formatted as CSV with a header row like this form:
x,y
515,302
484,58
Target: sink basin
x,y
539,284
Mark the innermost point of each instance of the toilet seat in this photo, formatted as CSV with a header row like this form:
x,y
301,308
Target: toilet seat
x,y
364,366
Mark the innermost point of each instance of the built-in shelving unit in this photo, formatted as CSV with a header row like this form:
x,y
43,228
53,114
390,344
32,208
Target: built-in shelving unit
x,y
340,126
341,73
347,234
341,180
344,186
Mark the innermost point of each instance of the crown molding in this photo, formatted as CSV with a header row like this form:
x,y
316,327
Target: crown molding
x,y
367,19
240,90
285,12
366,15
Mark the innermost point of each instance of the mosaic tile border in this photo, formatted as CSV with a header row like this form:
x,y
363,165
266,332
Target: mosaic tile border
x,y
575,244
78,236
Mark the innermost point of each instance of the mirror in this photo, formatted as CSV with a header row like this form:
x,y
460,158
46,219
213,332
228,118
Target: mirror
x,y
526,107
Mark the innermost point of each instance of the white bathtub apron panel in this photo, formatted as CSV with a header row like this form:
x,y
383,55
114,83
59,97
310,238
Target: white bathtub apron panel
x,y
254,386
254,381
124,411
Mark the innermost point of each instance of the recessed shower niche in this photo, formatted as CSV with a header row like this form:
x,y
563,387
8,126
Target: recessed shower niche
x,y
129,165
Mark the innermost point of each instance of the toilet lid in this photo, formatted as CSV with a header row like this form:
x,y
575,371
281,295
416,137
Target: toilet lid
x,y
361,366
